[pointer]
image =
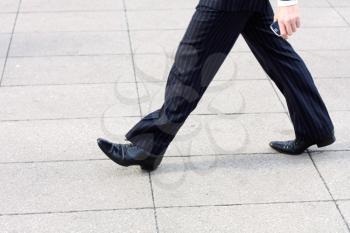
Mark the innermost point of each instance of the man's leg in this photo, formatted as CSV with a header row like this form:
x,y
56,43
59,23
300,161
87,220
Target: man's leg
x,y
284,66
206,43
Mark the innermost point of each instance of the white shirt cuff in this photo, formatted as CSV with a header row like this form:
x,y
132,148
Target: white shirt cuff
x,y
287,3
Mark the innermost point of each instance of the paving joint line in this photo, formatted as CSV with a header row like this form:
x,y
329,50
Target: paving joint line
x,y
329,192
339,14
135,116
169,156
10,42
139,104
239,79
168,207
132,55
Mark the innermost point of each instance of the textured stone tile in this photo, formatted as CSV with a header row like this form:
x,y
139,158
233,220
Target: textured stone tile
x,y
69,186
340,3
68,69
230,134
238,65
283,218
344,207
159,19
6,22
69,43
321,17
335,93
327,64
156,41
9,5
253,96
334,168
71,5
50,140
131,221
160,4
2,60
62,101
321,38
71,21
237,179
344,12
4,43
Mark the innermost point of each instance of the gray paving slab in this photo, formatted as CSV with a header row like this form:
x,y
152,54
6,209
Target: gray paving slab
x,y
332,91
71,21
321,17
2,61
218,134
322,39
294,217
70,43
7,21
327,64
334,168
237,179
70,5
243,96
4,43
52,140
344,12
160,4
131,221
344,206
339,2
68,70
72,186
238,65
156,41
159,19
68,101
9,5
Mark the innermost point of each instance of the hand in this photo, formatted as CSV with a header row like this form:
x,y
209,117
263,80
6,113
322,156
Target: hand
x,y
288,20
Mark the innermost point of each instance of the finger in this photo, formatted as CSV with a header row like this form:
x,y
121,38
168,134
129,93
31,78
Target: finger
x,y
289,28
294,25
283,30
298,22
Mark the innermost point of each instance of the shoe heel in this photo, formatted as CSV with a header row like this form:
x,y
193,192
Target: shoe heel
x,y
151,163
326,142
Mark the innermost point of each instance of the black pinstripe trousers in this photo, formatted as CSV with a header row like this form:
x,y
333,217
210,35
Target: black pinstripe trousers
x,y
208,39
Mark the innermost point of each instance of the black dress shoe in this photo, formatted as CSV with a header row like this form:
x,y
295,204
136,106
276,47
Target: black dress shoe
x,y
298,146
129,154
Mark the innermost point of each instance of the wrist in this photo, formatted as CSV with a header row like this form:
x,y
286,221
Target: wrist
x,y
281,3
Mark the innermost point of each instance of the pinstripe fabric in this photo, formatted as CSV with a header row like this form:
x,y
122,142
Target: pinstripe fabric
x,y
210,36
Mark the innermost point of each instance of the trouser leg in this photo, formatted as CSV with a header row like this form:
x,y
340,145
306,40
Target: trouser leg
x,y
289,72
206,43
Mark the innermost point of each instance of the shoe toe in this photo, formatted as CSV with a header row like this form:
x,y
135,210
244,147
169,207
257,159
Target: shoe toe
x,y
104,145
276,144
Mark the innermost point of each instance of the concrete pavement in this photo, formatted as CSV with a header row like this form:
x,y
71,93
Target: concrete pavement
x,y
75,70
